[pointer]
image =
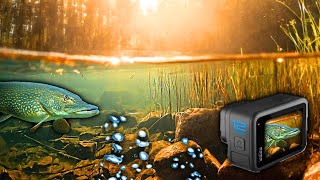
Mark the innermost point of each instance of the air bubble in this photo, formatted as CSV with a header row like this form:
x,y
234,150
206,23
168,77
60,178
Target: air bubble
x,y
174,165
118,137
175,159
143,156
123,168
142,134
123,119
135,166
113,158
148,166
115,125
184,140
118,175
116,148
106,125
114,119
182,166
190,151
142,143
191,165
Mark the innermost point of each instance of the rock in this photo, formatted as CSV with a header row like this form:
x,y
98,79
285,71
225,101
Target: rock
x,y
82,150
313,167
55,168
146,174
61,126
156,147
155,124
292,168
15,174
164,159
87,168
212,163
202,126
169,135
156,137
56,161
86,136
2,143
105,150
45,161
131,122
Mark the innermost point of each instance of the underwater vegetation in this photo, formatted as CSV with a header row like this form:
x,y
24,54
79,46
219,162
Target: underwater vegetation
x,y
210,85
304,33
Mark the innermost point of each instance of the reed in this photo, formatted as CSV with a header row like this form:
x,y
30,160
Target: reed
x,y
211,85
304,31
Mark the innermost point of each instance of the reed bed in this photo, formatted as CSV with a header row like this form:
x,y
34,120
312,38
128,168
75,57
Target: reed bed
x,y
212,85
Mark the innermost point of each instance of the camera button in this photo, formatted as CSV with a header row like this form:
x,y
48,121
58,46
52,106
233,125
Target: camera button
x,y
239,143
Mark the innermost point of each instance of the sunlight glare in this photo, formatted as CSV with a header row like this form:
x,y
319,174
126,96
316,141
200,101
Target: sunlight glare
x,y
148,5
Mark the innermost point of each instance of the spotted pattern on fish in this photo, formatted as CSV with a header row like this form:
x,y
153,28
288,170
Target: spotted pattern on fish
x,y
35,102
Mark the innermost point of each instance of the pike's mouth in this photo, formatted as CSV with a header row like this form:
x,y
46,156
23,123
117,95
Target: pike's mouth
x,y
92,110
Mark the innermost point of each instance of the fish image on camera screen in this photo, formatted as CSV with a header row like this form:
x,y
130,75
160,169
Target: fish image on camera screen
x,y
282,134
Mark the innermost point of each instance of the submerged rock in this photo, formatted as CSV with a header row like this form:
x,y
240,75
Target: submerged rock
x,y
313,167
158,124
146,174
292,168
156,147
61,126
202,126
45,161
167,167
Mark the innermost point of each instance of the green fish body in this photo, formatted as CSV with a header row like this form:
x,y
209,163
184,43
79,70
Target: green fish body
x,y
38,103
275,133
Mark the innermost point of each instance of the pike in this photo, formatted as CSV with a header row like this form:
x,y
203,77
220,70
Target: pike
x,y
278,132
38,103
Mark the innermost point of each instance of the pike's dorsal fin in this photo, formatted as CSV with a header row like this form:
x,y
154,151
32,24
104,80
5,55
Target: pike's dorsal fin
x,y
34,128
4,117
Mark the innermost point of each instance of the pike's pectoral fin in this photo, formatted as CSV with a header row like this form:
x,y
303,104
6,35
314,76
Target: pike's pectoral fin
x,y
4,117
34,128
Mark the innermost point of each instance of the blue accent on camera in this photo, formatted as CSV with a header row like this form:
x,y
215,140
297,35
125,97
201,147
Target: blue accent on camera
x,y
239,127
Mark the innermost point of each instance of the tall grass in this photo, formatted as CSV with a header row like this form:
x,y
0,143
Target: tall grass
x,y
301,76
305,34
211,85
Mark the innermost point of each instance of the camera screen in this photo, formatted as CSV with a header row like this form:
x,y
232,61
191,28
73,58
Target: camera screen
x,y
282,134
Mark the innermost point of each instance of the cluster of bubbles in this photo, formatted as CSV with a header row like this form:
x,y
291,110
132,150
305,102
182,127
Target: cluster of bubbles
x,y
116,148
194,153
194,175
116,158
115,121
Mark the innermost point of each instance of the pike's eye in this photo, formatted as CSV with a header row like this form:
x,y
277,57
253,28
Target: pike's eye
x,y
66,98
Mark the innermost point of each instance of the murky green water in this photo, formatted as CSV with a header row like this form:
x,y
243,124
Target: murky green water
x,y
138,92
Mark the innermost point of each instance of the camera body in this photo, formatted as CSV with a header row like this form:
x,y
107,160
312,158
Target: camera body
x,y
263,132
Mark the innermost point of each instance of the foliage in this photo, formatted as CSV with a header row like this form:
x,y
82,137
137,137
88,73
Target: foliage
x,y
305,34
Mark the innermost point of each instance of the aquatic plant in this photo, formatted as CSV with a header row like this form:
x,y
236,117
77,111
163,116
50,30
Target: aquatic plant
x,y
210,85
305,34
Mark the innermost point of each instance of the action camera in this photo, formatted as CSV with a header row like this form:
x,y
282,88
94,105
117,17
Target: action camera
x,y
263,132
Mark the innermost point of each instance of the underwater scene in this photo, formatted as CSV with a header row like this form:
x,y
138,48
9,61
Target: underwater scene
x,y
132,89
69,119
282,133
